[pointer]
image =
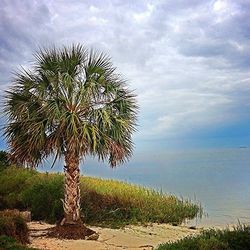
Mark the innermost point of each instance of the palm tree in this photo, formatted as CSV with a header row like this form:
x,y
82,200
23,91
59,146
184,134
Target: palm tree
x,y
70,104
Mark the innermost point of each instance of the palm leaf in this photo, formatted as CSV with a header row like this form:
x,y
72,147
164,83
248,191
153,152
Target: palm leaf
x,y
71,99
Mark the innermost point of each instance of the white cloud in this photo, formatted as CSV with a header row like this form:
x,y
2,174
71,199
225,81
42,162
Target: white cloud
x,y
220,5
143,16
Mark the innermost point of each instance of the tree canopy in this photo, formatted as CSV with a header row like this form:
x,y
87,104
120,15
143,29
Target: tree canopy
x,y
71,99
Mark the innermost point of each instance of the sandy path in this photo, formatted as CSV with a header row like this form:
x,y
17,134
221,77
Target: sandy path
x,y
130,237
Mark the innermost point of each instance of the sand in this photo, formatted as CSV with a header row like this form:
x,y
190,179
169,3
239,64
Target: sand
x,y
130,237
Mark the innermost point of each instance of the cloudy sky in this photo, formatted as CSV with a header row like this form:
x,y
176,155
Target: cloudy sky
x,y
188,61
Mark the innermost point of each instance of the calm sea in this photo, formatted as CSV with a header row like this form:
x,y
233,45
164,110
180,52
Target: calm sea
x,y
219,179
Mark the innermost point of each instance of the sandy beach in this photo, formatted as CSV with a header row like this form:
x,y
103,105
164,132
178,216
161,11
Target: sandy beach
x,y
130,237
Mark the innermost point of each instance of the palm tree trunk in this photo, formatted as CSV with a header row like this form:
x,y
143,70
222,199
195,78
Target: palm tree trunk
x,y
71,203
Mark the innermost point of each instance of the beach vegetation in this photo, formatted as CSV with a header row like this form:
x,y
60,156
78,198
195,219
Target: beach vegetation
x,y
213,239
103,202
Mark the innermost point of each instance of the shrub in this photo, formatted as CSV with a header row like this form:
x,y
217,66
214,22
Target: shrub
x,y
43,198
13,181
13,225
238,239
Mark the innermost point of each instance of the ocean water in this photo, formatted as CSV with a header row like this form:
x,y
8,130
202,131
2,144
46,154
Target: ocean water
x,y
217,178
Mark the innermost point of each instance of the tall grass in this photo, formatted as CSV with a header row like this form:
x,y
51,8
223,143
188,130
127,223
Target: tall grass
x,y
120,200
107,202
237,239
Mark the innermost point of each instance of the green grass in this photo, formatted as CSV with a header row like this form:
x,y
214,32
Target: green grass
x,y
103,202
237,239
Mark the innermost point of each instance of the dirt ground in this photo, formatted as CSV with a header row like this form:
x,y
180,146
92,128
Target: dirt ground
x,y
130,237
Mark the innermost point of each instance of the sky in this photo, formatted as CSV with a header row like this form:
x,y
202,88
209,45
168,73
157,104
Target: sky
x,y
187,61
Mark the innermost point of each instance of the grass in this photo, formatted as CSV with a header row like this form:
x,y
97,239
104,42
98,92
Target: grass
x,y
237,239
103,202
122,201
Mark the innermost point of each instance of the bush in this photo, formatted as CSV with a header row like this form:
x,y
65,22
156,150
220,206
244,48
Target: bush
x,y
13,225
238,239
13,181
43,198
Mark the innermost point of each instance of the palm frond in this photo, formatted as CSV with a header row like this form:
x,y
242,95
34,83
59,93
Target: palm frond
x,y
71,100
